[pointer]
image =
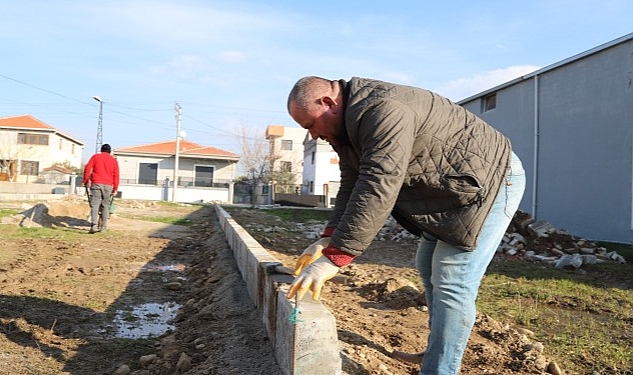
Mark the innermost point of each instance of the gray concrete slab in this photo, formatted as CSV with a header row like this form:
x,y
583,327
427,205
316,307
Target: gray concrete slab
x,y
303,332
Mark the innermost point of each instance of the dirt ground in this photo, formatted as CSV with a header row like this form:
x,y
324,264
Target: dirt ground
x,y
76,303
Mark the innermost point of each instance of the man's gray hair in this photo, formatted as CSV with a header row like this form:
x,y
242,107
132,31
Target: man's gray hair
x,y
307,90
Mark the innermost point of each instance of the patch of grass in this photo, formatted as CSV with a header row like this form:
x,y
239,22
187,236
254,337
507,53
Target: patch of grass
x,y
299,215
169,220
12,231
4,212
168,204
585,319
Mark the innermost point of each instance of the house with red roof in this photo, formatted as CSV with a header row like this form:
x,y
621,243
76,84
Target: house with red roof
x,y
29,146
202,174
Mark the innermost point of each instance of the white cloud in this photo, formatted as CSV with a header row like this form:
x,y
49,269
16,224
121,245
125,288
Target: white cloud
x,y
233,56
464,87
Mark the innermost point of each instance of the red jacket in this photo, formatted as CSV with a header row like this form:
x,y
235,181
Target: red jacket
x,y
102,169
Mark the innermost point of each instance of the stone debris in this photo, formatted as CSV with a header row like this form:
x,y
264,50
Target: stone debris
x,y
536,241
539,241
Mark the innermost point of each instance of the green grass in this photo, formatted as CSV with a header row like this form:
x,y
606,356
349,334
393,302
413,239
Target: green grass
x,y
584,319
304,215
12,231
168,220
4,212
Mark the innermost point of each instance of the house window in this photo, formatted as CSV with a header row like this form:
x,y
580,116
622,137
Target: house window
x,y
32,139
489,102
73,148
285,166
313,157
311,188
61,144
147,173
204,176
286,144
29,168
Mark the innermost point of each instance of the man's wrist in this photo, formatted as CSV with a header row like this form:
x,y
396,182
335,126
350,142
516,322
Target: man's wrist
x,y
328,232
337,256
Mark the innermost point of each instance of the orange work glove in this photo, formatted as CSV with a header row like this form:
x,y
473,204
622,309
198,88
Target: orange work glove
x,y
312,278
310,254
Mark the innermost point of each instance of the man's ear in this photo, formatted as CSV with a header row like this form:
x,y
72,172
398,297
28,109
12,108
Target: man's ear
x,y
331,102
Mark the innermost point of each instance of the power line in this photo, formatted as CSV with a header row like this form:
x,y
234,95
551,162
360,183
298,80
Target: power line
x,y
45,90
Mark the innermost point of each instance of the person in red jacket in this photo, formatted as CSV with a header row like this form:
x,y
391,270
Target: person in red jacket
x,y
101,176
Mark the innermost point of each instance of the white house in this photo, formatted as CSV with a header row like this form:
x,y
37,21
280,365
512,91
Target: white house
x,y
204,173
28,146
286,153
321,174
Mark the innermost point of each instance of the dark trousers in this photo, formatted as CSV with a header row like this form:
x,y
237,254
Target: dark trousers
x,y
100,196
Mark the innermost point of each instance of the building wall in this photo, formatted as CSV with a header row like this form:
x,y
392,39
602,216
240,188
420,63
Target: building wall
x,y
183,194
59,150
295,156
321,172
580,165
129,167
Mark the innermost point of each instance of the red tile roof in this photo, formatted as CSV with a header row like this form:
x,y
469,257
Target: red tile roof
x,y
187,148
24,122
28,122
58,168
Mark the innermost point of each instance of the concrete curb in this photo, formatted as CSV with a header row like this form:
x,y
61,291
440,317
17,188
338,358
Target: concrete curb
x,y
303,333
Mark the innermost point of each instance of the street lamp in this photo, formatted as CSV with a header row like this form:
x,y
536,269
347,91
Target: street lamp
x,y
178,109
100,126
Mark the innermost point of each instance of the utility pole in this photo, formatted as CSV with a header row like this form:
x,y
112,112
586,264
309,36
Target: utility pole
x,y
100,126
177,155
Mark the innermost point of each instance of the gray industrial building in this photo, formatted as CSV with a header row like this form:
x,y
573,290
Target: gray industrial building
x,y
571,123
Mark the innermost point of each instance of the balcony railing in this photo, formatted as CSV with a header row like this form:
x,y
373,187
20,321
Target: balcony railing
x,y
182,182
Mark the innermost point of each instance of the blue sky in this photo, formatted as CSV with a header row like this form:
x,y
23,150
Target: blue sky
x,y
230,64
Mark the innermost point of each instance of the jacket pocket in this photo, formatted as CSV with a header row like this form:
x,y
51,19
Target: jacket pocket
x,y
450,192
466,188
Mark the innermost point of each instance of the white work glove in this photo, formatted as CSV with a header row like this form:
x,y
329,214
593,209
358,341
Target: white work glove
x,y
310,254
313,277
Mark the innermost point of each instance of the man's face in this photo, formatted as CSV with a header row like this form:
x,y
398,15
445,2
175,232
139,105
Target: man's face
x,y
323,120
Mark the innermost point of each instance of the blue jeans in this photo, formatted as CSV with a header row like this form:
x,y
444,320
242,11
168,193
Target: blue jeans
x,y
451,278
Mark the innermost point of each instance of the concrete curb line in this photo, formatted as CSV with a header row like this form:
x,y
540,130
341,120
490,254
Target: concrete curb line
x,y
303,333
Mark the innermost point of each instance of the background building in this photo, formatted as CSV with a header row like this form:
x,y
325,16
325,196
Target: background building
x,y
28,146
321,174
204,173
286,157
572,125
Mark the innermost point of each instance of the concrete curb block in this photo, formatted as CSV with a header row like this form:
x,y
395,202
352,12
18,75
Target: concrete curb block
x,y
303,333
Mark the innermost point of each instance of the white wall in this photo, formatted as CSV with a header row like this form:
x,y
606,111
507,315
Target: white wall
x,y
323,171
183,194
129,167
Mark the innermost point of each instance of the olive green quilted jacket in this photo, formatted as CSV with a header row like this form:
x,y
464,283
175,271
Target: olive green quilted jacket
x,y
414,154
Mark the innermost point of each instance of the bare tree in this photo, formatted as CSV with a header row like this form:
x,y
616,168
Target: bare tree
x,y
285,175
255,159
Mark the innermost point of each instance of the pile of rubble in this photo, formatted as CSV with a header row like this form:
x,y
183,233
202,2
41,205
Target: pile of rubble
x,y
540,241
532,240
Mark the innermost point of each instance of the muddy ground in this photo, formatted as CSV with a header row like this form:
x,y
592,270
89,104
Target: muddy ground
x,y
72,302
